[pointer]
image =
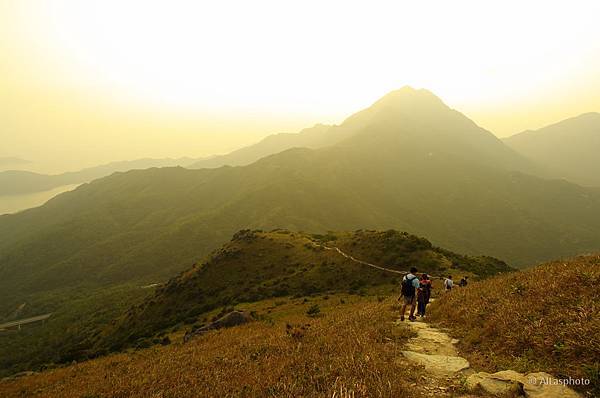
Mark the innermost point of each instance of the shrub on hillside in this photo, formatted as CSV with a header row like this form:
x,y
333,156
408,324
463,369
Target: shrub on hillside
x,y
314,310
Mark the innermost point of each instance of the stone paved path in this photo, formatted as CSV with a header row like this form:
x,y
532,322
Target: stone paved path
x,y
436,352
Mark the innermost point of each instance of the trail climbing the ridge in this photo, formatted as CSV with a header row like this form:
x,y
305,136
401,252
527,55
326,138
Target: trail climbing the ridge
x,y
349,257
448,372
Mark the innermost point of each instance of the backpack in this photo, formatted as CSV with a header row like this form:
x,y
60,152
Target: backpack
x,y
408,290
427,291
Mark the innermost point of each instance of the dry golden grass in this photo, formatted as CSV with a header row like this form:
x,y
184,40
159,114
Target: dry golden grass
x,y
543,319
349,351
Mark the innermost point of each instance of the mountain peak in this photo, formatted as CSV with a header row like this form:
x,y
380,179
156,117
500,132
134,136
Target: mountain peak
x,y
408,91
408,95
405,101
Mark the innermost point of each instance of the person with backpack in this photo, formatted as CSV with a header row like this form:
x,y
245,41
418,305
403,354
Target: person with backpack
x,y
410,284
423,294
448,283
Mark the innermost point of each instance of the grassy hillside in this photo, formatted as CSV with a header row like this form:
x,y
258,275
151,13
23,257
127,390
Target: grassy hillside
x,y
259,265
351,349
252,267
568,149
543,319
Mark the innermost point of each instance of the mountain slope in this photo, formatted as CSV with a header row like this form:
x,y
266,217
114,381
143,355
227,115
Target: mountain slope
x,y
146,224
568,149
288,354
15,182
417,121
258,265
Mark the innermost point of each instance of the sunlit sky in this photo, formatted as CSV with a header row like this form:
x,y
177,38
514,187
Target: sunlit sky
x,y
83,82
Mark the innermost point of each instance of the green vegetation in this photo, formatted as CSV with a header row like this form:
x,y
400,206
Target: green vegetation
x,y
403,250
314,310
258,265
77,314
543,319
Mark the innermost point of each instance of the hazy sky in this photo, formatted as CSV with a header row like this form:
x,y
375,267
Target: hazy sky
x,y
83,82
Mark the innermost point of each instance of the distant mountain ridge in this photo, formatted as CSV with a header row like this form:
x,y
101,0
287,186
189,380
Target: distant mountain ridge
x,y
15,182
403,104
314,137
568,149
11,161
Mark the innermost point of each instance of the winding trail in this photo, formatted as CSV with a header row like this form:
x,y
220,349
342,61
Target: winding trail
x,y
349,257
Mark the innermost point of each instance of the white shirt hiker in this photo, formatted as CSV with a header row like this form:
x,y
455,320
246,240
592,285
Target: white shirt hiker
x,y
448,284
414,280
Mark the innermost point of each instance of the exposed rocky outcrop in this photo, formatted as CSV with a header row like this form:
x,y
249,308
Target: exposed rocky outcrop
x,y
532,385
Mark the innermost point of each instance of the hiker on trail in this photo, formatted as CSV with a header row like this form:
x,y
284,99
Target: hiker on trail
x,y
410,284
448,283
423,294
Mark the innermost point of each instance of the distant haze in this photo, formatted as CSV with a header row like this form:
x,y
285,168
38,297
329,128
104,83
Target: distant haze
x,y
15,203
85,83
